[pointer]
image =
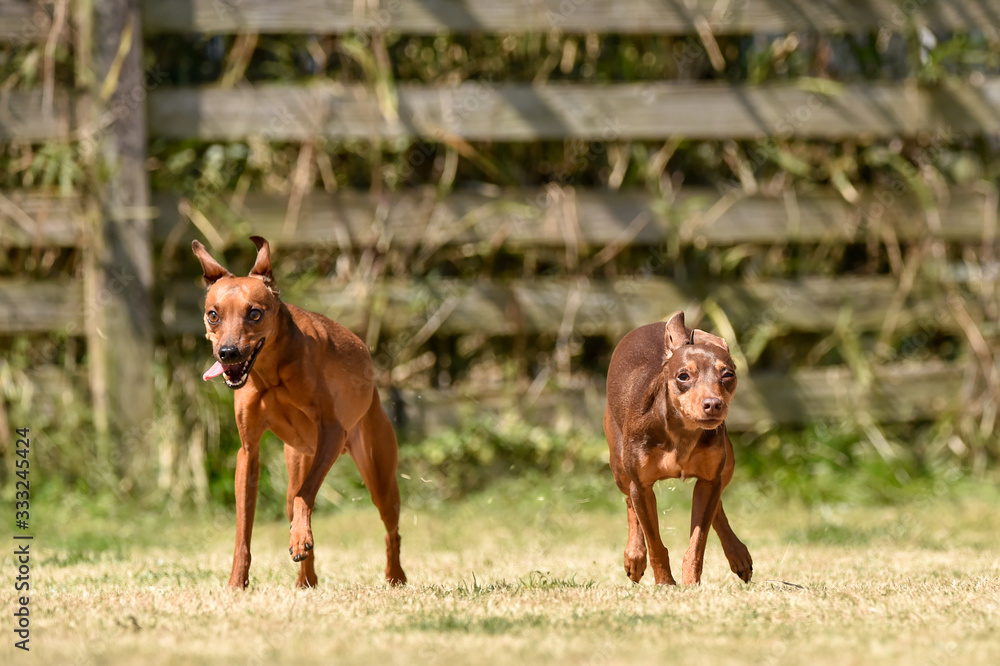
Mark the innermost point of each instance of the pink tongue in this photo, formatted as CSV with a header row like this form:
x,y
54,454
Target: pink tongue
x,y
214,371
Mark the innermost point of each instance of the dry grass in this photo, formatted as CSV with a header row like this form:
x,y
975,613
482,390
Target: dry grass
x,y
495,580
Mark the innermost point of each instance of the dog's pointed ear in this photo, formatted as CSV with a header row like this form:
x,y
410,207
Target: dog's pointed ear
x,y
677,334
262,266
700,337
211,269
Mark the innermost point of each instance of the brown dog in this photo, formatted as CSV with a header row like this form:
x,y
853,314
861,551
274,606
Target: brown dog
x,y
311,382
669,390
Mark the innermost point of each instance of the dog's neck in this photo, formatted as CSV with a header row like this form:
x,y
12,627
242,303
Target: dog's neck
x,y
266,369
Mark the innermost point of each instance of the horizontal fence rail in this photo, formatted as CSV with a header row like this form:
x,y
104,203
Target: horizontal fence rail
x,y
555,216
25,21
896,393
486,111
562,216
431,17
27,115
536,306
41,307
539,306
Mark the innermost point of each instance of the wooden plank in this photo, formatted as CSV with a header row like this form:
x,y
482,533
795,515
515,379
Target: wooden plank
x,y
538,306
533,218
484,111
47,392
24,116
574,16
32,219
119,263
24,22
899,394
538,217
41,307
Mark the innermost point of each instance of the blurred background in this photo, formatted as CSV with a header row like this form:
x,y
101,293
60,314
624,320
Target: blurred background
x,y
491,195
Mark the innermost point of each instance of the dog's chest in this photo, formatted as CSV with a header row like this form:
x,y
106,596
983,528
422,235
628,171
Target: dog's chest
x,y
694,460
286,418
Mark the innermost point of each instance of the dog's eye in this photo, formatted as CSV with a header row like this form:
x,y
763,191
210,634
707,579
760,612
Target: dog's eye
x,y
683,377
255,315
213,317
728,374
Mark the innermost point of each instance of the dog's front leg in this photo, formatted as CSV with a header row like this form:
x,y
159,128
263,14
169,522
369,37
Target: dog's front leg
x,y
736,552
332,438
644,505
704,505
247,479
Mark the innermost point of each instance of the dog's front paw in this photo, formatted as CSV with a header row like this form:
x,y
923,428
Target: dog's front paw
x,y
238,582
691,569
299,548
635,564
740,561
395,577
301,541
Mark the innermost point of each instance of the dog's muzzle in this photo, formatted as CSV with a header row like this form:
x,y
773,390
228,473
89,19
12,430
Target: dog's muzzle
x,y
234,374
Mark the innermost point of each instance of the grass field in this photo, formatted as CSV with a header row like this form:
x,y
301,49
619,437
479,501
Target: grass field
x,y
522,573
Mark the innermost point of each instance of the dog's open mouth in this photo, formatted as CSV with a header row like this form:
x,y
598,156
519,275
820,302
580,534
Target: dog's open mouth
x,y
235,375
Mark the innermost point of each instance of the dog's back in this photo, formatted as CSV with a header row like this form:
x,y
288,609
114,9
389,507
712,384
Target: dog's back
x,y
635,364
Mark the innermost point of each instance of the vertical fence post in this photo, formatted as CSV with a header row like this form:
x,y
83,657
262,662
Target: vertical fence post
x,y
119,255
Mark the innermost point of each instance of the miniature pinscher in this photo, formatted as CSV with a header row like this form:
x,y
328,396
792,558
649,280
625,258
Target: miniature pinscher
x,y
669,391
311,382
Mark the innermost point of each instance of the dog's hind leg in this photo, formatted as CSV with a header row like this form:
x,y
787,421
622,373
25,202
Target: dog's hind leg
x,y
372,445
298,465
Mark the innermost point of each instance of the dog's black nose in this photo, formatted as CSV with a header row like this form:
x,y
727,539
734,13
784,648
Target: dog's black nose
x,y
228,354
712,406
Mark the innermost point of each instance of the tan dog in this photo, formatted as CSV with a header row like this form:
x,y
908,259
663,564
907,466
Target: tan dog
x,y
308,380
669,390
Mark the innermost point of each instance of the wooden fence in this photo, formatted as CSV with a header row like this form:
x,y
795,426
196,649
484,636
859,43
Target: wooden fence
x,y
119,233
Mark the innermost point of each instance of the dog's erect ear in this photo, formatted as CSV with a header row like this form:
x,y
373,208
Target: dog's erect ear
x,y
700,337
262,267
213,270
677,334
